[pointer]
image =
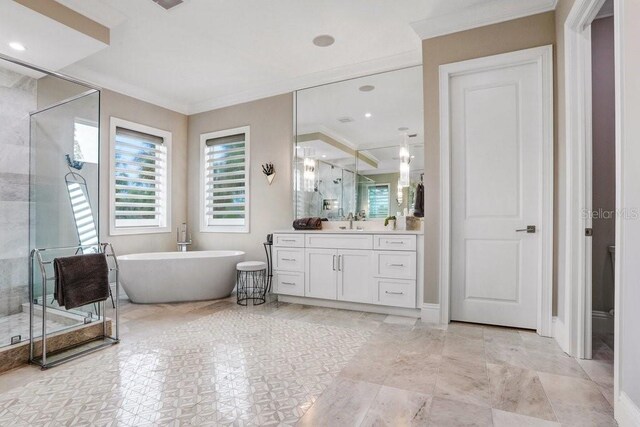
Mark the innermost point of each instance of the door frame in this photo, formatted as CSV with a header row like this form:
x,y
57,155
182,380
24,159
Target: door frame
x,y
576,339
577,284
543,58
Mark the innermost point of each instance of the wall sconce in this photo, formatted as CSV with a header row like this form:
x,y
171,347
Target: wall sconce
x,y
269,171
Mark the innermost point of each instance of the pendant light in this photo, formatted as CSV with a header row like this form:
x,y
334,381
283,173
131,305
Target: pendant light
x,y
309,175
405,159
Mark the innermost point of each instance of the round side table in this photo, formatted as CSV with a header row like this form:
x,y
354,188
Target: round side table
x,y
251,282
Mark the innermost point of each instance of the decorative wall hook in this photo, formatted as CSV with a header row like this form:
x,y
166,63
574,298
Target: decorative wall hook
x,y
269,171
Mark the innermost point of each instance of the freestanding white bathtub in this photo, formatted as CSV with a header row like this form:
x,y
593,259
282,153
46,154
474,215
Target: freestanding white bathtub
x,y
162,277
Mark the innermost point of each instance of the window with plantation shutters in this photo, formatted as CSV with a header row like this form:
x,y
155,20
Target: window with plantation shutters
x,y
140,171
225,180
378,200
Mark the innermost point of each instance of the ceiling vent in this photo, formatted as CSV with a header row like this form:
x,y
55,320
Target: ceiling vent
x,y
345,120
168,4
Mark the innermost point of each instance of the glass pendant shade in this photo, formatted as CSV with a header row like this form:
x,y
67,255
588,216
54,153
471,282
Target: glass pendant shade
x,y
405,159
309,175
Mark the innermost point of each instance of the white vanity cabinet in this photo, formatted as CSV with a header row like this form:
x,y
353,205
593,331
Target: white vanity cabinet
x,y
338,274
364,268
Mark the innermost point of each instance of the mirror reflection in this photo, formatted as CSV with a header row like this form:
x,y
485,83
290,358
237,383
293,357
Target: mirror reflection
x,y
359,149
381,192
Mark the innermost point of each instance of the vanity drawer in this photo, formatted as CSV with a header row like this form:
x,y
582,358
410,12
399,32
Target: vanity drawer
x,y
396,293
289,283
395,265
394,242
288,259
289,240
339,241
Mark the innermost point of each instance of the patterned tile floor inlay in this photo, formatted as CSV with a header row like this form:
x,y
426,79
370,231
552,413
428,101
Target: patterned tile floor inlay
x,y
227,368
214,363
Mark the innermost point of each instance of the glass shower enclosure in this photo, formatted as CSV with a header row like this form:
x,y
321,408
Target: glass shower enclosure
x,y
49,145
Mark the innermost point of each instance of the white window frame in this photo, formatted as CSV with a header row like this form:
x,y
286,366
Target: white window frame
x,y
379,184
204,227
165,225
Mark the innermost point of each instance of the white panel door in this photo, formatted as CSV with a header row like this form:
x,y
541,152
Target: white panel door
x,y
321,273
496,177
354,276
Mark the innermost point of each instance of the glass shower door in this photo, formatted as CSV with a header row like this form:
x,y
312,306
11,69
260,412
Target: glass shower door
x,y
63,197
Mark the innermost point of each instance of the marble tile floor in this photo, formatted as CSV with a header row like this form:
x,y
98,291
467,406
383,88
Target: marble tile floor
x,y
215,363
18,324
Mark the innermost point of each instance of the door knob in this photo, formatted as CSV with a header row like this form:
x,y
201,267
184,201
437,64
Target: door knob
x,y
529,229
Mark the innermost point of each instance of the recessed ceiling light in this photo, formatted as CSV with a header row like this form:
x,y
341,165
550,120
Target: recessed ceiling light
x,y
366,88
17,46
367,115
403,129
413,157
324,155
324,40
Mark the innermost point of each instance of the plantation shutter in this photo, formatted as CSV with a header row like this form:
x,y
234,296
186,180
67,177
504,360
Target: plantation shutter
x,y
226,180
378,201
140,173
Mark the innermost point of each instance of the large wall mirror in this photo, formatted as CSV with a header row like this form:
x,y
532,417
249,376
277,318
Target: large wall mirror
x,y
359,149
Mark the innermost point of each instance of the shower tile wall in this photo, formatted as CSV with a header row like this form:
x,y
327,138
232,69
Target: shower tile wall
x,y
17,99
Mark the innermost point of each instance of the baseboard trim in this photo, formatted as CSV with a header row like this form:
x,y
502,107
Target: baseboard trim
x,y
559,333
602,323
600,315
627,413
430,313
346,305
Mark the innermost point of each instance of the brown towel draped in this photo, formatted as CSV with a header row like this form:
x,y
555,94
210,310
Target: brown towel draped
x,y
81,280
313,223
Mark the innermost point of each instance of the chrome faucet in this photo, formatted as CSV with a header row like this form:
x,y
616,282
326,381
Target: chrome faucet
x,y
183,237
350,219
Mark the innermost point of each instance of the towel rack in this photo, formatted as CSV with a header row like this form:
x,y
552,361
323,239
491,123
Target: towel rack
x,y
44,258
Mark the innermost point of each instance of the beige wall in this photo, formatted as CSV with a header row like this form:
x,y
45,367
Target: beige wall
x,y
124,107
532,31
271,122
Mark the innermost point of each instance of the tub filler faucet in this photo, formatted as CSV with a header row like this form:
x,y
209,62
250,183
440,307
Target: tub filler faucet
x,y
184,237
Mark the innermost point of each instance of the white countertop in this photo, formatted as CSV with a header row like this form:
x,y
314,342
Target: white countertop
x,y
354,231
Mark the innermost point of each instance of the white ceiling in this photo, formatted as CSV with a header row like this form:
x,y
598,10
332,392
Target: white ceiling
x,y
206,54
49,44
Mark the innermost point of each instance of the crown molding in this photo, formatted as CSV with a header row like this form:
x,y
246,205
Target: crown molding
x,y
379,65
491,12
121,87
406,59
